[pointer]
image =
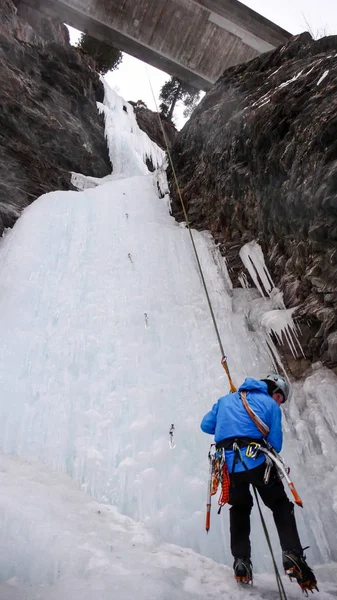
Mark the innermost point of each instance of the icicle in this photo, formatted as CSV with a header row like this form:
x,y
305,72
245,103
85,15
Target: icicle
x,y
129,146
244,280
281,324
278,321
252,257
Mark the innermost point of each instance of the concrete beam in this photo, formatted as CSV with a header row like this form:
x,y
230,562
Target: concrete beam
x,y
195,40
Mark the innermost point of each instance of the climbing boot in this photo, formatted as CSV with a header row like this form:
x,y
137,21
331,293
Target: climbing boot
x,y
243,570
295,567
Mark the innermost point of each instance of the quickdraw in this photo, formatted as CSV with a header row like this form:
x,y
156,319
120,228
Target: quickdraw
x,y
171,440
272,457
218,475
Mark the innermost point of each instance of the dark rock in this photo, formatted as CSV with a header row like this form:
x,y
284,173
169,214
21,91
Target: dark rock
x,y
332,346
47,29
49,124
258,160
149,122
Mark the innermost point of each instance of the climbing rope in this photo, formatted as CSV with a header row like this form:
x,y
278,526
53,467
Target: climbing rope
x,y
280,585
224,358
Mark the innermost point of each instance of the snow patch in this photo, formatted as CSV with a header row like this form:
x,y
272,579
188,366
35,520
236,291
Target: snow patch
x,y
57,544
263,100
274,72
323,77
285,83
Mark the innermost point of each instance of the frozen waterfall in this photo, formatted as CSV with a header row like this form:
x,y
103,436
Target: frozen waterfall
x,y
107,341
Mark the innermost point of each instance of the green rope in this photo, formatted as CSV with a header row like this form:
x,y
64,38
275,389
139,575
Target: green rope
x,y
281,589
224,360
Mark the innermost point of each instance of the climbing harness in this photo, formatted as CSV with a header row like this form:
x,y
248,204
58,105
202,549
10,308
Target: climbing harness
x,y
255,447
281,469
218,475
252,451
223,357
171,441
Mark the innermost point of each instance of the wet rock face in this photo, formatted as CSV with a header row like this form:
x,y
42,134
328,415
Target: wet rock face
x,y
258,160
49,124
148,121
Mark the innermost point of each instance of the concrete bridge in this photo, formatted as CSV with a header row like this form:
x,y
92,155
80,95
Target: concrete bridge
x,y
195,40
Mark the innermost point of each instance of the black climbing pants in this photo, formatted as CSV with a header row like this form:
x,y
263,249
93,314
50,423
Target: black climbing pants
x,y
274,496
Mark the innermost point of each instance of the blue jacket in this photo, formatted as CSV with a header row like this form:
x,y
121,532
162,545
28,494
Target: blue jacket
x,y
229,418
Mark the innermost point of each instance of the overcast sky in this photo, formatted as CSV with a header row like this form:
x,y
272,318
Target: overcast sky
x,y
296,15
131,79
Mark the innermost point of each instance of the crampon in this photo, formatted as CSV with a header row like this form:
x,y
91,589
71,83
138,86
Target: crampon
x,y
243,570
295,567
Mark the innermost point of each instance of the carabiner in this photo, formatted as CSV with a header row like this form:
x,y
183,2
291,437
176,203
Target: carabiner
x,y
253,449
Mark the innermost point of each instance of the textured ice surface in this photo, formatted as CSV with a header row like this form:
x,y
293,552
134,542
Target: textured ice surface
x,y
107,341
56,543
252,257
270,314
311,445
129,146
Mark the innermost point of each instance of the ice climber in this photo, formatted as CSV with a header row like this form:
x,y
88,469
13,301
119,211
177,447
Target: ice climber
x,y
231,423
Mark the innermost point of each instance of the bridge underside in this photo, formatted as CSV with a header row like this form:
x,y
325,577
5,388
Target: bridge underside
x,y
193,40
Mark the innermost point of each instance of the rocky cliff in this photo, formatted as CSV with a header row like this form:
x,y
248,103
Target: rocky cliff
x,y
148,121
258,160
49,124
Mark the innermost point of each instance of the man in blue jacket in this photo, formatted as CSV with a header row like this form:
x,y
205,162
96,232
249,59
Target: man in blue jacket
x,y
231,423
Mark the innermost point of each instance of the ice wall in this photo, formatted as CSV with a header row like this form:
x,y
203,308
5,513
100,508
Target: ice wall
x,y
129,147
56,543
271,315
107,341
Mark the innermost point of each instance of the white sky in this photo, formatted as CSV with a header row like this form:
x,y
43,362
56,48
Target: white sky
x,y
131,79
296,15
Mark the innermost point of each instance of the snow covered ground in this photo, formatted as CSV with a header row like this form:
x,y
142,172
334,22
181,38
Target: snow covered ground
x,y
58,544
107,341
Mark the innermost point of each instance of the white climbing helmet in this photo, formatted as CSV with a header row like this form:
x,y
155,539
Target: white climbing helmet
x,y
279,385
